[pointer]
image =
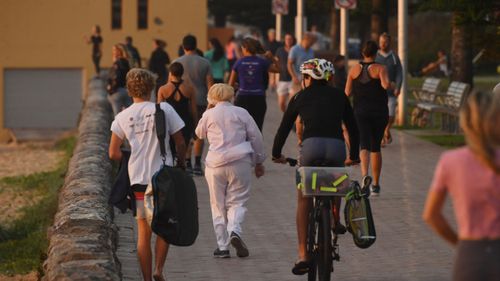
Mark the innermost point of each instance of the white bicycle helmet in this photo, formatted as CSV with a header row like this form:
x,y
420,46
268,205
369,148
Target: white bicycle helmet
x,y
319,69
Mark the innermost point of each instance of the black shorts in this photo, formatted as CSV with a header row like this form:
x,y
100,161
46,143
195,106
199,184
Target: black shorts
x,y
371,130
255,105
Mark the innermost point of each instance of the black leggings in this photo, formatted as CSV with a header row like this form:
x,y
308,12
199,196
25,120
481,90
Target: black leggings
x,y
371,130
255,105
96,59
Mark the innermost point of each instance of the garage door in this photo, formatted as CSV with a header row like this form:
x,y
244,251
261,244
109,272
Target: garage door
x,y
42,98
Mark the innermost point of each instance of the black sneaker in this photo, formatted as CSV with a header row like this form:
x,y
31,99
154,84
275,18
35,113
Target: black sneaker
x,y
221,254
197,170
239,245
375,190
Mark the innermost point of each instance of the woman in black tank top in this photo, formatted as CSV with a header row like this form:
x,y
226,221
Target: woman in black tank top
x,y
181,100
370,109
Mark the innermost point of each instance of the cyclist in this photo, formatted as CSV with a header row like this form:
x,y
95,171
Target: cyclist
x,y
322,109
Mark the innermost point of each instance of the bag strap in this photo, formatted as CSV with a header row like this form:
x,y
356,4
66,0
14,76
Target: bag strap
x,y
161,131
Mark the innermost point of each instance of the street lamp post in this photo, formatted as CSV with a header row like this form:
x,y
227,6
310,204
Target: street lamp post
x,y
344,32
278,27
403,55
299,20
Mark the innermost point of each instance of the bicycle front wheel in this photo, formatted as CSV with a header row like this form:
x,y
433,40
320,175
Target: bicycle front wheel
x,y
325,251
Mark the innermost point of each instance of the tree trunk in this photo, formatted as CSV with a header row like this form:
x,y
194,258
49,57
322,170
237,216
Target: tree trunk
x,y
220,19
461,50
379,19
335,29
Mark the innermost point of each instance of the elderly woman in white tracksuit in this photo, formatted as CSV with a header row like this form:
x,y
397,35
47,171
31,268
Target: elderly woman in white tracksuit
x,y
235,147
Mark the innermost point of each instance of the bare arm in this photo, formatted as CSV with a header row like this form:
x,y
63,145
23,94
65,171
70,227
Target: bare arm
x,y
161,94
348,84
274,67
115,152
384,78
292,71
210,80
180,148
232,78
434,217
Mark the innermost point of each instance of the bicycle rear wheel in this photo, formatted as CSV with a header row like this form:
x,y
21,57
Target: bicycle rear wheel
x,y
311,245
325,251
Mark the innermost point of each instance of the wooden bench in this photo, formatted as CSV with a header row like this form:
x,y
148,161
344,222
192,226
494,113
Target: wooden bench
x,y
447,104
427,93
428,90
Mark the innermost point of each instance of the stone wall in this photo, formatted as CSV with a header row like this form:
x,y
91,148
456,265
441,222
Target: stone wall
x,y
83,238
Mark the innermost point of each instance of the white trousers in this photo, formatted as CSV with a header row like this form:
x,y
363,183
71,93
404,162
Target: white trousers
x,y
229,188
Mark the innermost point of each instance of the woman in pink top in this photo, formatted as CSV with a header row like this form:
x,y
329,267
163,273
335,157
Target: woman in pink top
x,y
235,146
471,175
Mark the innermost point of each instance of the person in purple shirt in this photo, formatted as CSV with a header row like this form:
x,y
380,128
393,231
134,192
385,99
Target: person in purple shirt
x,y
251,72
470,175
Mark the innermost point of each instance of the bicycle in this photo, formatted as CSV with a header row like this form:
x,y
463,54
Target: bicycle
x,y
322,246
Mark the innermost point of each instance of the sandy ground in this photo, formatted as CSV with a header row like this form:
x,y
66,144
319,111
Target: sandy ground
x,y
27,158
23,159
32,276
18,160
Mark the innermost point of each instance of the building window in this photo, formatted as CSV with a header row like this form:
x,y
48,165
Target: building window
x,y
142,14
116,14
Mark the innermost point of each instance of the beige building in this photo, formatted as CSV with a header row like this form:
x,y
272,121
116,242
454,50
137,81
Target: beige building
x,y
45,62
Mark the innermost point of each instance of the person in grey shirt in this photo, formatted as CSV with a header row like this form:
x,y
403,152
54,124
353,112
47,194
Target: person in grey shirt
x,y
387,57
198,74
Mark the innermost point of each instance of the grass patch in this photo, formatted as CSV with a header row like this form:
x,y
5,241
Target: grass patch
x,y
23,243
448,141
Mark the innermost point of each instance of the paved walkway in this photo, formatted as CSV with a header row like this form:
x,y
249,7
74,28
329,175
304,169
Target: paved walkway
x,y
405,248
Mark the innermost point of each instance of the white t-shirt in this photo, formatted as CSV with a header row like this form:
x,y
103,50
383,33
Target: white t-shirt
x,y
137,125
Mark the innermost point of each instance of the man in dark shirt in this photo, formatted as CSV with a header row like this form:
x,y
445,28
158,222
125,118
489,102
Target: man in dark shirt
x,y
158,63
134,53
284,88
340,76
271,44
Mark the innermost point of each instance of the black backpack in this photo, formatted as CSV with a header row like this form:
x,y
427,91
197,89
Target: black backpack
x,y
358,216
175,214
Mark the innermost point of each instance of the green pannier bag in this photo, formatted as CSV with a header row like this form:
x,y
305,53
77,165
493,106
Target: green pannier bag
x,y
358,216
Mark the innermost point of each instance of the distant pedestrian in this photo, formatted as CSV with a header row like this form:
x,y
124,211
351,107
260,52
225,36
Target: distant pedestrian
x,y
118,95
158,63
368,82
235,146
385,56
320,40
182,98
135,58
218,62
251,72
471,177
340,76
284,88
233,51
297,56
271,44
96,41
198,74
136,125
440,67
